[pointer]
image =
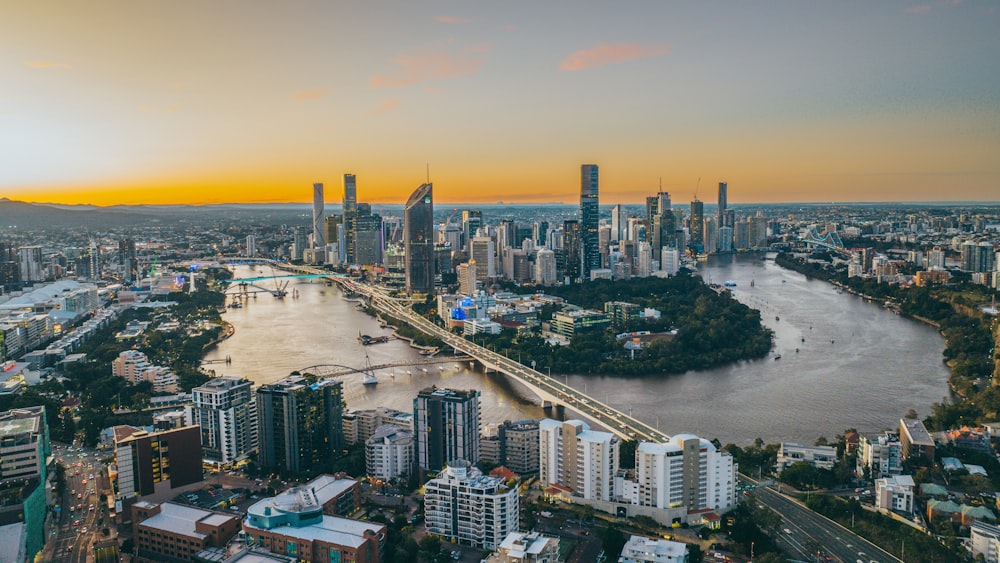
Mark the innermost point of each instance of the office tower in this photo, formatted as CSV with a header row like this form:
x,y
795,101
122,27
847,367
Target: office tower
x,y
696,226
318,241
758,232
350,213
619,217
368,242
10,268
334,239
128,260
251,245
670,260
540,232
464,505
572,250
418,240
741,235
226,411
723,204
483,251
24,449
300,423
686,472
725,239
589,218
710,235
446,424
507,235
467,277
663,225
148,463
472,221
657,205
578,458
389,453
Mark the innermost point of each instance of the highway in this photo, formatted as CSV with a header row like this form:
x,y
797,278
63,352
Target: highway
x,y
81,519
809,535
548,388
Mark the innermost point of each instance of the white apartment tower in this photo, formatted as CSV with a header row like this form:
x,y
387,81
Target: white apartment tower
x,y
545,267
226,411
470,508
686,471
389,453
576,457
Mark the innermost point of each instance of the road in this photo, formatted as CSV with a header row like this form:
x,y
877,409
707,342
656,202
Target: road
x,y
81,518
546,387
804,532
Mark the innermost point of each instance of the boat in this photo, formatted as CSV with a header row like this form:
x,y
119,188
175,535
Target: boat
x,y
370,379
777,318
803,339
777,357
730,283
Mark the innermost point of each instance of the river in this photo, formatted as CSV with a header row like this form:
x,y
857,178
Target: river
x,y
860,366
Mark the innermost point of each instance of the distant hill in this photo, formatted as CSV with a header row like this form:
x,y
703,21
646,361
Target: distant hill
x,y
21,215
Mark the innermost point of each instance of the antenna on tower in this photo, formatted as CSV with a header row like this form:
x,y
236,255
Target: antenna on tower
x,y
428,172
661,184
696,188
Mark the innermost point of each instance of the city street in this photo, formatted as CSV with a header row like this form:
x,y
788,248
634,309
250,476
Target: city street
x,y
81,518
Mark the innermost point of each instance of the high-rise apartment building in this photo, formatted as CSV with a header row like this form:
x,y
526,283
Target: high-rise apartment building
x,y
470,508
578,458
319,239
545,267
31,263
389,453
418,240
723,203
589,219
300,423
226,411
685,472
251,245
446,424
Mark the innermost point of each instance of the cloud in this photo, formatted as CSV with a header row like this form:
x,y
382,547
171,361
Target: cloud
x,y
425,65
309,94
45,64
387,105
921,9
451,19
607,54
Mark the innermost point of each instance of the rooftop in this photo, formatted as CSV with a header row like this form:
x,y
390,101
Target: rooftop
x,y
180,519
331,529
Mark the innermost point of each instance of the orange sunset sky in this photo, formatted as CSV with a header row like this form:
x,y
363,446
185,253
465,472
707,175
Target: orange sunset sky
x,y
107,102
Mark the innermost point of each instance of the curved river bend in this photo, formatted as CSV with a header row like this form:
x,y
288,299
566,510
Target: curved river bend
x,y
859,366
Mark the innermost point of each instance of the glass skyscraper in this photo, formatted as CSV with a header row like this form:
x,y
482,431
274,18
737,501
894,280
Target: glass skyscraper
x,y
418,240
589,216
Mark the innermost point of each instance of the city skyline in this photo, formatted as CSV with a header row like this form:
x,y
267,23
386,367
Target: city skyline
x,y
250,103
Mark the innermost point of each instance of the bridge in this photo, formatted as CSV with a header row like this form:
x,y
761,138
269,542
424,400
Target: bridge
x,y
830,240
546,388
338,370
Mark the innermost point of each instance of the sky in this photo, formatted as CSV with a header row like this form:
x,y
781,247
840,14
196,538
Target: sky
x,y
186,101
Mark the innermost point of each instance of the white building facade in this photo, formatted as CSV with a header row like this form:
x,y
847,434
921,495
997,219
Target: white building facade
x,y
470,508
573,456
226,411
389,453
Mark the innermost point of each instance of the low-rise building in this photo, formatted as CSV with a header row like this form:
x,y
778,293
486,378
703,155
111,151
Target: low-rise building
x,y
821,457
520,547
639,549
295,524
568,323
895,493
174,532
879,455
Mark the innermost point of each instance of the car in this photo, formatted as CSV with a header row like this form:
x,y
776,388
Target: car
x,y
83,530
69,548
787,531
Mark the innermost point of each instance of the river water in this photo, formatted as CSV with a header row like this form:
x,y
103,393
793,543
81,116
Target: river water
x,y
860,366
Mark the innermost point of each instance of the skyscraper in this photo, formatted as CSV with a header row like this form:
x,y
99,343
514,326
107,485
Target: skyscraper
x,y
446,423
572,251
300,423
589,216
319,241
696,225
128,260
418,240
350,212
723,203
619,218
472,220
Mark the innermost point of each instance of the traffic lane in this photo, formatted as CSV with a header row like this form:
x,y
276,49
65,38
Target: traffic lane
x,y
831,537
